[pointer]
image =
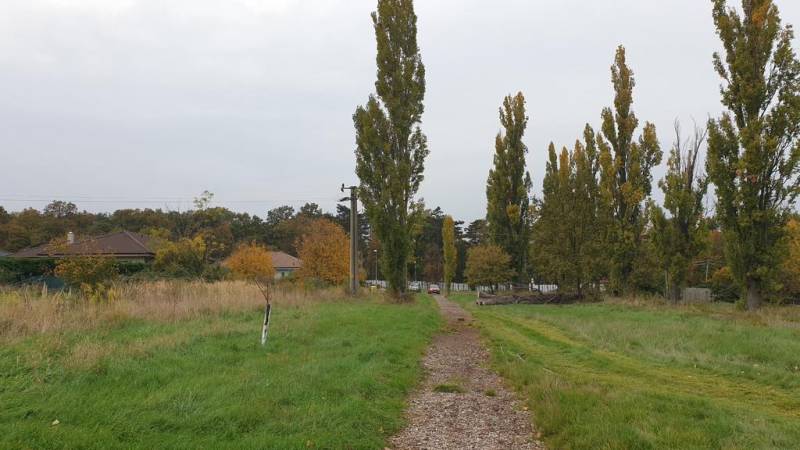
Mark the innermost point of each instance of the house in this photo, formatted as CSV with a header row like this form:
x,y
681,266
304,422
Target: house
x,y
123,246
285,265
130,247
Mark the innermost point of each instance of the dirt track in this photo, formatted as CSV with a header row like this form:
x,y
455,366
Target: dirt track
x,y
481,414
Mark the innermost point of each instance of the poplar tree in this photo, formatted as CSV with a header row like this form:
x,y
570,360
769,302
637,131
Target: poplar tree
x,y
551,255
626,181
679,238
450,252
568,234
754,149
390,146
508,187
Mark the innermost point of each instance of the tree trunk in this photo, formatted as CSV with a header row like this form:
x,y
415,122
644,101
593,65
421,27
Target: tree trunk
x,y
753,296
675,293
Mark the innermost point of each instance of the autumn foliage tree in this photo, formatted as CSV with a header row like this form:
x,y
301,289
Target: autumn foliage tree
x,y
488,265
626,179
324,250
251,262
754,148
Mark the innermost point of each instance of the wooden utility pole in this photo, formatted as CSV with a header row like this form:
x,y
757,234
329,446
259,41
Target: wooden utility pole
x,y
353,288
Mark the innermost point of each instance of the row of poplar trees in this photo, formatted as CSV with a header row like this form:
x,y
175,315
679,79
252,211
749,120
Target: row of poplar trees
x,y
596,212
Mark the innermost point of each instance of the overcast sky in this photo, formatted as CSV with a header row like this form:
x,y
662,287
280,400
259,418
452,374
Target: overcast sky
x,y
146,103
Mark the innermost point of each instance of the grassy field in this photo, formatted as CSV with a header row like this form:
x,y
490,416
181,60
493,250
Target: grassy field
x,y
627,376
335,374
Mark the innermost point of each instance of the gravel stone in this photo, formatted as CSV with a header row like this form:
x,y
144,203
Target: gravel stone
x,y
474,418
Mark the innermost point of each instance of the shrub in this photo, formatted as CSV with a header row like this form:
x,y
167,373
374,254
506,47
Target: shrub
x,y
14,270
183,259
723,285
251,261
91,274
488,265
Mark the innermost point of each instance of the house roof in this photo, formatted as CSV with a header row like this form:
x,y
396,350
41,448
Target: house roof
x,y
121,244
281,260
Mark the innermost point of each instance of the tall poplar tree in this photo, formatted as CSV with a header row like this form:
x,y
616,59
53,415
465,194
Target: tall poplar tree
x,y
390,146
626,181
679,238
754,148
550,254
568,234
450,252
509,185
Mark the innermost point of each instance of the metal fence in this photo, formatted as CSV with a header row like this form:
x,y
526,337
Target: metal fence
x,y
464,287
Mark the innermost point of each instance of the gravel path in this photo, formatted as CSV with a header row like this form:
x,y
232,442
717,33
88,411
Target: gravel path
x,y
480,414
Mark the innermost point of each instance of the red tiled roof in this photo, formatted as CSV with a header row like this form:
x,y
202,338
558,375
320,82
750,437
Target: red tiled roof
x,y
281,260
121,244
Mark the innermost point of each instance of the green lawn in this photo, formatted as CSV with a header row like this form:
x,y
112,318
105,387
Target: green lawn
x,y
334,375
616,376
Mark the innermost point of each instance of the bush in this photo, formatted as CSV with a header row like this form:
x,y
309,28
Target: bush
x,y
91,274
723,285
182,259
488,265
14,270
648,273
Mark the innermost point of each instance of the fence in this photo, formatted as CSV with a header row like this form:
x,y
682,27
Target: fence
x,y
464,287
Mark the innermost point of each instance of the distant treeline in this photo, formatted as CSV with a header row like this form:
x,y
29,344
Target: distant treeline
x,y
223,230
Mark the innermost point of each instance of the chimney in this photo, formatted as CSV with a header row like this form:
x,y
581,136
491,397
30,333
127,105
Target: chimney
x,y
70,238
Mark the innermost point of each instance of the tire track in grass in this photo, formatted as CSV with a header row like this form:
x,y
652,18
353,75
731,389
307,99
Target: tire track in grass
x,y
563,355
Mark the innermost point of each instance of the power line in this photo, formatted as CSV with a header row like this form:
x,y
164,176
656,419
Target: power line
x,y
159,199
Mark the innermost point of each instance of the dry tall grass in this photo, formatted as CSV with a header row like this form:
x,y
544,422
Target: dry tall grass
x,y
28,311
785,316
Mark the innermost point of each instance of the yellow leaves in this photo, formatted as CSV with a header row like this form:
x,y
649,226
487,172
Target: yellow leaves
x,y
488,264
185,257
791,265
324,252
513,213
90,274
631,194
249,262
759,15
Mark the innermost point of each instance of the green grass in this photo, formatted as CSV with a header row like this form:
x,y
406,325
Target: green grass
x,y
334,375
616,376
449,388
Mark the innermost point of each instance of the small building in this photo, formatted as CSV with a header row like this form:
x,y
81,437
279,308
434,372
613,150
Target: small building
x,y
285,265
123,246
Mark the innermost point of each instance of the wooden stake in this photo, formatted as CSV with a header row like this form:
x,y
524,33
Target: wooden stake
x,y
267,311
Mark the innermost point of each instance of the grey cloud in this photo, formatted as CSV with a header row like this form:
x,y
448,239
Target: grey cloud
x,y
129,100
